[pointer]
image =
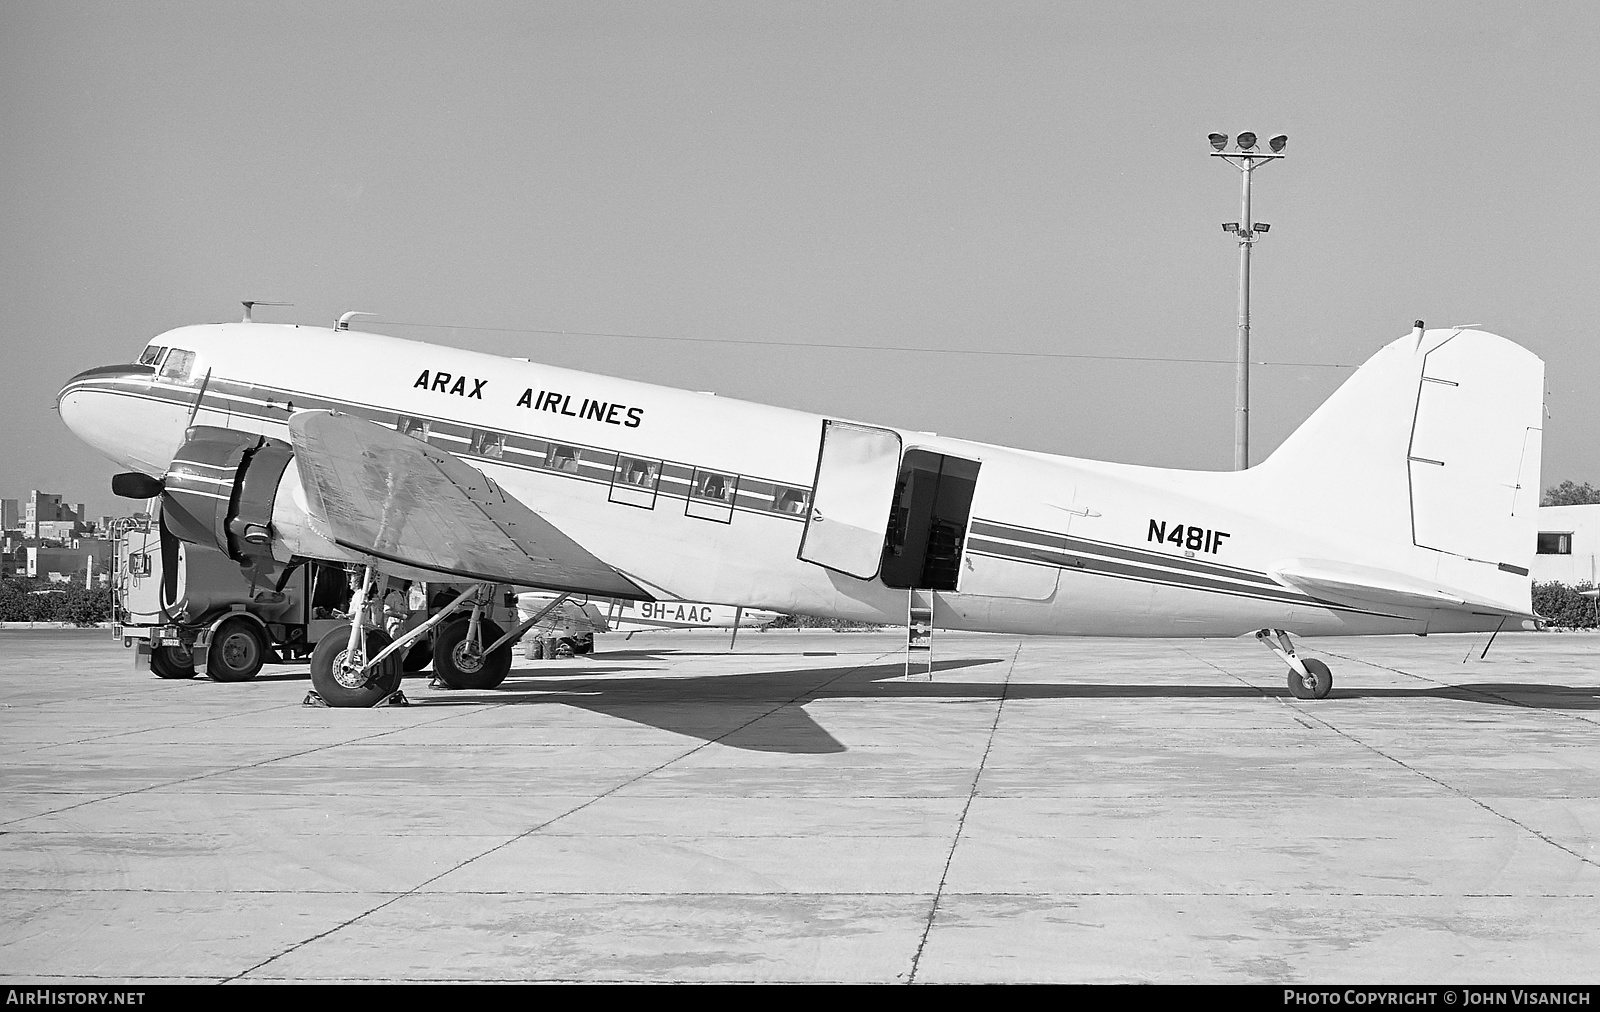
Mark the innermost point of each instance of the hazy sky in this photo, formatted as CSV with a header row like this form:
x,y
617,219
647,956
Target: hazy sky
x,y
981,177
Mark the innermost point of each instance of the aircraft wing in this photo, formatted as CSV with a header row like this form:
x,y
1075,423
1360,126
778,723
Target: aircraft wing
x,y
1367,586
392,497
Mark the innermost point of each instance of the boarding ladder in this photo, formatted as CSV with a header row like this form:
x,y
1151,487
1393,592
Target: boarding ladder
x,y
919,636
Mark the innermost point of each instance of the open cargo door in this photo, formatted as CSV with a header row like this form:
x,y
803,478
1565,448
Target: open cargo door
x,y
852,497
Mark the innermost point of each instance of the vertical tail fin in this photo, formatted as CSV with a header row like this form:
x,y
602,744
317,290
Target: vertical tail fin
x,y
1434,444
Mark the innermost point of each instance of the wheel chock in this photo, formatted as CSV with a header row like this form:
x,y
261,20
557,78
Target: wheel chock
x,y
395,698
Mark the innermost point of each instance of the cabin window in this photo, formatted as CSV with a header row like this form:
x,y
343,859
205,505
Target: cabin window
x,y
152,354
713,485
416,428
634,480
789,500
1557,543
711,495
177,366
638,473
562,458
487,444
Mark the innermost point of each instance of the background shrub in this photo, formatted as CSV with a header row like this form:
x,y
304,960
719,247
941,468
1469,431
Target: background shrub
x,y
1563,607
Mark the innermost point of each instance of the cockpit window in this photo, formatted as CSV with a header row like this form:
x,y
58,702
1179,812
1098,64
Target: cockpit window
x,y
151,354
177,366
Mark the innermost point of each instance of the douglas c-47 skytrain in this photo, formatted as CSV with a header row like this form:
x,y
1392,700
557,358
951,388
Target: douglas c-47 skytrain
x,y
1406,503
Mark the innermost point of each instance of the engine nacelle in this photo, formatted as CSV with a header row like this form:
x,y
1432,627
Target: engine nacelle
x,y
219,491
240,493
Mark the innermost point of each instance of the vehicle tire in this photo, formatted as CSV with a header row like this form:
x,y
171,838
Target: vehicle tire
x,y
237,651
418,656
1321,680
583,644
172,662
336,687
459,664
565,649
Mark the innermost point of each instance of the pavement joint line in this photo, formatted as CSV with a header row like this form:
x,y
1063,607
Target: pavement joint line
x,y
228,769
1476,692
1458,792
158,727
961,823
415,889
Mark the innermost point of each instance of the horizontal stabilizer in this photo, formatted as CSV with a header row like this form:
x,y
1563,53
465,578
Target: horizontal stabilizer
x,y
1368,586
395,498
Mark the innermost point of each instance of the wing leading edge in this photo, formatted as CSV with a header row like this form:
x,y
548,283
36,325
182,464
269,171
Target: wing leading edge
x,y
395,498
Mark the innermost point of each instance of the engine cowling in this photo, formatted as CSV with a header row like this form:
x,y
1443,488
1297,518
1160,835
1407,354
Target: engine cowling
x,y
240,494
219,492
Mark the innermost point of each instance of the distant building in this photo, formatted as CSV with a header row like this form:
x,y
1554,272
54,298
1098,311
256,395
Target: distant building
x,y
85,559
10,516
1569,537
13,557
44,508
58,530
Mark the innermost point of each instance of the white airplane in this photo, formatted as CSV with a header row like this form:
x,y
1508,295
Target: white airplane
x,y
1405,503
575,621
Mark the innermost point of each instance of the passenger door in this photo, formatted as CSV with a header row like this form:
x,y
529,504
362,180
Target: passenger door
x,y
853,495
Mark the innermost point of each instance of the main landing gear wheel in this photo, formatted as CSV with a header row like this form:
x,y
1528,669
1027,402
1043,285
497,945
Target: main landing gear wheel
x,y
461,663
237,651
1317,685
341,685
172,662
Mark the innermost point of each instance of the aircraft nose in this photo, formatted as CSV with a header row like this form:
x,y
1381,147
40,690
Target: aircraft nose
x,y
91,405
101,375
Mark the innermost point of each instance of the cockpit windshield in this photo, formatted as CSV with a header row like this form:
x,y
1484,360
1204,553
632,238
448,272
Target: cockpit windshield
x,y
152,354
177,366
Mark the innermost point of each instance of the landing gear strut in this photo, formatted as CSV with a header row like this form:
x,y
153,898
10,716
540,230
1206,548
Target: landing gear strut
x,y
364,667
341,672
1309,678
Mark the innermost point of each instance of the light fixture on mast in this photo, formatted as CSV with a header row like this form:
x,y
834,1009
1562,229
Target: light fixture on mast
x,y
1246,158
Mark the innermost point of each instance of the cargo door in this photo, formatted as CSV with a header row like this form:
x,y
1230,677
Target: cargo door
x,y
852,497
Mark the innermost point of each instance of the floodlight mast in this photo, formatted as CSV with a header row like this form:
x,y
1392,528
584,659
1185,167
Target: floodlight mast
x,y
1247,158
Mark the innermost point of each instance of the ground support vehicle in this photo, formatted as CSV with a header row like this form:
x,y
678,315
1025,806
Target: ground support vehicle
x,y
186,609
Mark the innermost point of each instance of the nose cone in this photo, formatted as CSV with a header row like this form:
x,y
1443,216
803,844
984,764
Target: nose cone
x,y
102,408
103,376
89,388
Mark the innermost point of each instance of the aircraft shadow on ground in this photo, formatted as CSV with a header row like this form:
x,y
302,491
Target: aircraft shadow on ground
x,y
764,711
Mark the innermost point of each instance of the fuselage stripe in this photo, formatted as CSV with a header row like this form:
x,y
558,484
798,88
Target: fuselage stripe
x,y
1064,542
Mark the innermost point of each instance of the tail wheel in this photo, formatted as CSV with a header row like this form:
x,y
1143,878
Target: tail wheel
x,y
237,651
1317,686
172,662
340,684
583,644
565,649
461,663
